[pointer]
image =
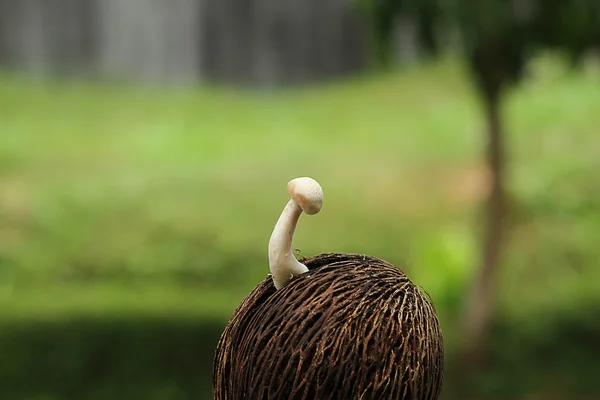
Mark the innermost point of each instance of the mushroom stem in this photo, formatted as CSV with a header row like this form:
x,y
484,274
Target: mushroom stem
x,y
306,195
282,262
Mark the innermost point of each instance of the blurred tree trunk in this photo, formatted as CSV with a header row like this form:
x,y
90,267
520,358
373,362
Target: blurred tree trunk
x,y
494,63
480,306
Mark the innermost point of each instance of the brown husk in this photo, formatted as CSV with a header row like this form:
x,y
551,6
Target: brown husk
x,y
353,327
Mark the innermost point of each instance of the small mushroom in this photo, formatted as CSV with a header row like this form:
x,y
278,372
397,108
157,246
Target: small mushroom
x,y
305,195
355,327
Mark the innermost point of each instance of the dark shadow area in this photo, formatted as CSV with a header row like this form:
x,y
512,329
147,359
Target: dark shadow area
x,y
549,357
95,358
546,357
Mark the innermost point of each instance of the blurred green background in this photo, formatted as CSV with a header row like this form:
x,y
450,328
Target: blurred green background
x,y
134,219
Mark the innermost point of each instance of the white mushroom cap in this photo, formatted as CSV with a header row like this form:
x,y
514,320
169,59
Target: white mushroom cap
x,y
307,193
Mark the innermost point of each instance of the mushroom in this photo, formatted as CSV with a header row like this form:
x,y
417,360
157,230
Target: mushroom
x,y
305,195
354,328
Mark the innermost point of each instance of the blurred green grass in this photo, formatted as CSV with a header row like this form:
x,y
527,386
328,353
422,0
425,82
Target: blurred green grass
x,y
118,201
106,185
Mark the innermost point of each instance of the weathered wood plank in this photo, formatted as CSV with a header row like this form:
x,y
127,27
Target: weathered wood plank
x,y
249,42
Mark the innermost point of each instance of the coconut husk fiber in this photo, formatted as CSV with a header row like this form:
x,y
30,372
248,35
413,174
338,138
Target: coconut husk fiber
x,y
353,327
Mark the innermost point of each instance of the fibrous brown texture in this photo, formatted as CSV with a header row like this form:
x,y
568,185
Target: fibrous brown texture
x,y
353,327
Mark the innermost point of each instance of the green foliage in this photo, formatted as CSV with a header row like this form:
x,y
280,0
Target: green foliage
x,y
496,36
381,15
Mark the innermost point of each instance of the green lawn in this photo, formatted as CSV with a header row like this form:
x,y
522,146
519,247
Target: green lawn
x,y
126,201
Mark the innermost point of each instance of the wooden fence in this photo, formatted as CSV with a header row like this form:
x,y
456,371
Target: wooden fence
x,y
241,42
